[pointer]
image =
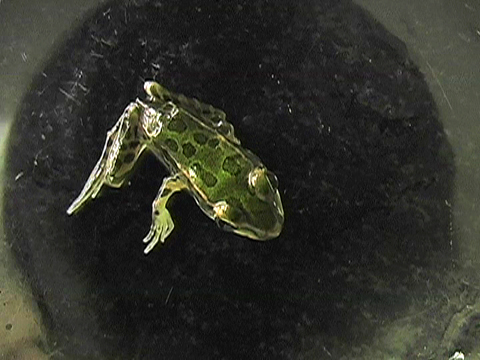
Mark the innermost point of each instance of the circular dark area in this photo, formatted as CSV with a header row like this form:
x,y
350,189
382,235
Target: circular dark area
x,y
330,102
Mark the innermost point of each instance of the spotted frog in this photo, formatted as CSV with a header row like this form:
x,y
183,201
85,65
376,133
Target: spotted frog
x,y
198,146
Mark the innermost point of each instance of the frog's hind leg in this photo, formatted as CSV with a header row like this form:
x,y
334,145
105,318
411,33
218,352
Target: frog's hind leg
x,y
208,114
122,149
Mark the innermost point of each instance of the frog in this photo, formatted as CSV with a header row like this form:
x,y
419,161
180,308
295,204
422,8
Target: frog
x,y
198,147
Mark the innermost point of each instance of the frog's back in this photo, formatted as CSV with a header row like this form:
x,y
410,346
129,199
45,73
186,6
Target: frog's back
x,y
211,162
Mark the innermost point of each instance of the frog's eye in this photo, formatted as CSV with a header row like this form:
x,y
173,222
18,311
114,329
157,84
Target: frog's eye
x,y
261,182
273,179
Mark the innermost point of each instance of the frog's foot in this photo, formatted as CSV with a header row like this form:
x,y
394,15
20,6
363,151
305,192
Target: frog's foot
x,y
161,227
162,224
122,149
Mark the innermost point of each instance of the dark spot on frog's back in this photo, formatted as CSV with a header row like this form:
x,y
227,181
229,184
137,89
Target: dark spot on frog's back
x,y
213,143
188,150
232,164
208,179
171,144
200,138
177,125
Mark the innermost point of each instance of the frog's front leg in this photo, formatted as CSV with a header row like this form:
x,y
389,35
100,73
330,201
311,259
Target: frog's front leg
x,y
162,224
122,148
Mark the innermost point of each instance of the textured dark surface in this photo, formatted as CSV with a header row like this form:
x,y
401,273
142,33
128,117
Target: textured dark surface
x,y
329,101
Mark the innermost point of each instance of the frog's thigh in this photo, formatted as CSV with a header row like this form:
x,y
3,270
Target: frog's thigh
x,y
122,148
204,112
126,146
155,90
162,224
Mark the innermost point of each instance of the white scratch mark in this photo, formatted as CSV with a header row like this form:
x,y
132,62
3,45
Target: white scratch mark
x,y
168,296
69,96
440,85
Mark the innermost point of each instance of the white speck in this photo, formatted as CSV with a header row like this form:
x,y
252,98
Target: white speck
x,y
24,57
457,356
192,174
20,174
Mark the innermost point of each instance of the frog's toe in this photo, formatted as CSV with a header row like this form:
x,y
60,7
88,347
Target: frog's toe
x,y
161,227
151,238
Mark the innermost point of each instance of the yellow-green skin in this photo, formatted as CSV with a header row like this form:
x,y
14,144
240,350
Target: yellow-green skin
x,y
198,146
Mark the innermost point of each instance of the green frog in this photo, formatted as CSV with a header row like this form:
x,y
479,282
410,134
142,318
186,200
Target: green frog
x,y
198,147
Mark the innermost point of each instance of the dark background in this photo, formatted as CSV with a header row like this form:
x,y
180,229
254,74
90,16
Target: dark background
x,y
329,101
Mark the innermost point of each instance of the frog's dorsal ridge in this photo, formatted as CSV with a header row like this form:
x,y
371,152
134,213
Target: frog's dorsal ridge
x,y
205,113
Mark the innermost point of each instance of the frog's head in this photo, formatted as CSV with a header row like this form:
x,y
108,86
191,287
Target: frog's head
x,y
258,212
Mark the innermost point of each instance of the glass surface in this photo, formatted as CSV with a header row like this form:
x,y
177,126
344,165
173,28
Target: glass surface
x,y
443,40
29,32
